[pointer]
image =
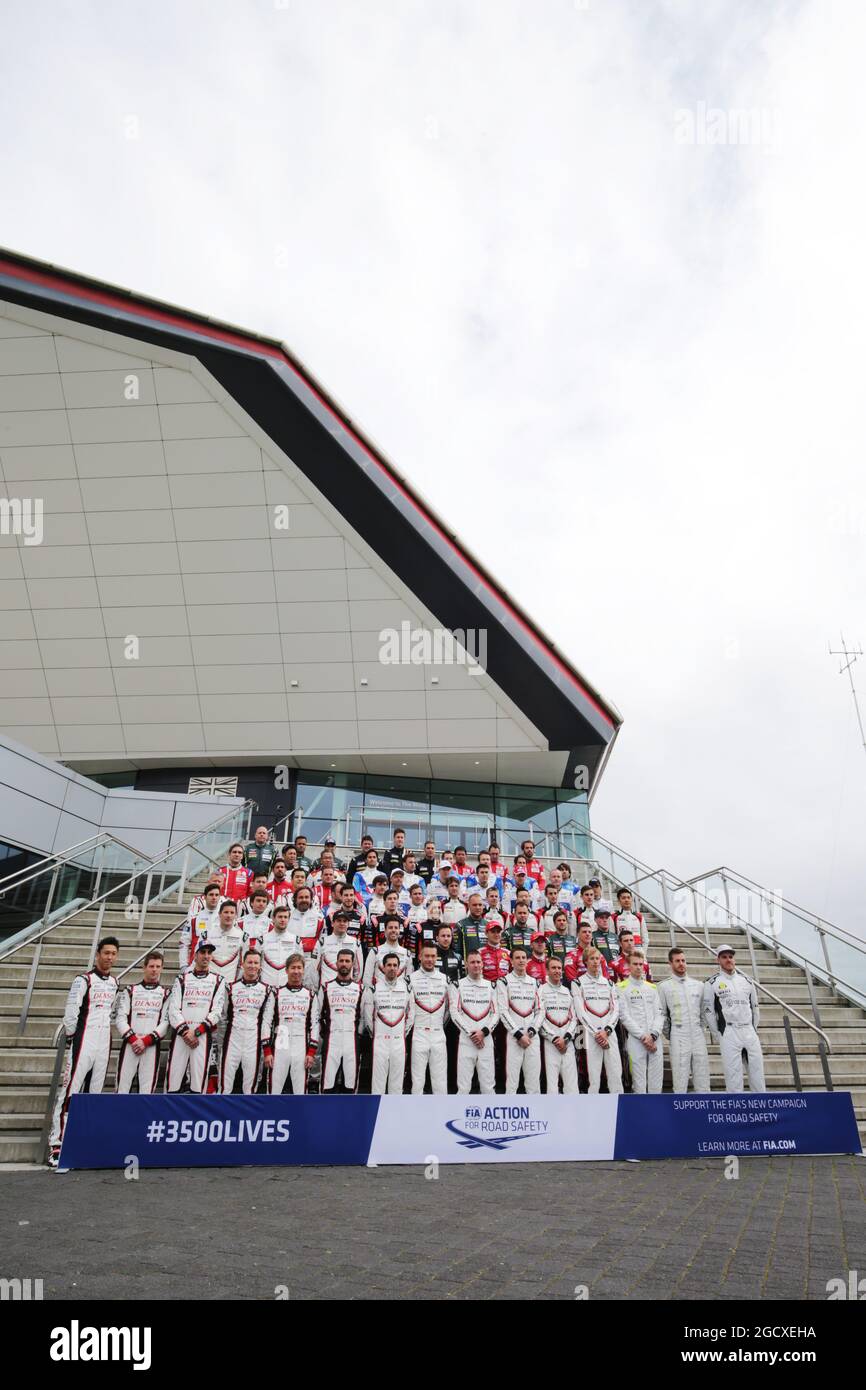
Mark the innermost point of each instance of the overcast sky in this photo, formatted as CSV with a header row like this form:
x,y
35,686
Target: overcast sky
x,y
613,331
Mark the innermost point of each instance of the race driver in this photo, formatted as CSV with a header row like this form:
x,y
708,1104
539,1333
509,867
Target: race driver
x,y
730,1007
474,1009
234,877
249,1023
277,947
87,1024
141,1019
229,942
641,1015
597,1006
340,1016
389,1010
203,913
296,1030
195,1007
559,1030
681,1000
430,992
520,1012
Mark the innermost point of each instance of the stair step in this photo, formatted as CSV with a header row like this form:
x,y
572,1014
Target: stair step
x,y
19,1148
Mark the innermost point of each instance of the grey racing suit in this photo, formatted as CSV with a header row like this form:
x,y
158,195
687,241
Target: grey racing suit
x,y
731,1012
681,1000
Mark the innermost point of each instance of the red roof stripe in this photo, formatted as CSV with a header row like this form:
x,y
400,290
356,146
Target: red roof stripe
x,y
147,311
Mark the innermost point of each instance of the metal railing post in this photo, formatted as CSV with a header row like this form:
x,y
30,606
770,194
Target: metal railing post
x,y
823,937
812,995
31,980
825,1064
145,900
184,874
52,1097
752,956
798,1085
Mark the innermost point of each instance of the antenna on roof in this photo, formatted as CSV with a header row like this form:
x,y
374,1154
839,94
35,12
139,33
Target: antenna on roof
x,y
849,656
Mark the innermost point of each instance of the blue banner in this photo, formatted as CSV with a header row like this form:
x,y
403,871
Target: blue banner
x,y
718,1125
190,1131
187,1131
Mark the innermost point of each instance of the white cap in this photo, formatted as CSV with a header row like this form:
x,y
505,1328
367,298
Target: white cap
x,y
723,948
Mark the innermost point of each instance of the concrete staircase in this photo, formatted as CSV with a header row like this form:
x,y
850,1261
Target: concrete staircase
x,y
27,1062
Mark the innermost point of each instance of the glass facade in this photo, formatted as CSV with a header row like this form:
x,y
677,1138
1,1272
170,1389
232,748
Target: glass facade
x,y
349,805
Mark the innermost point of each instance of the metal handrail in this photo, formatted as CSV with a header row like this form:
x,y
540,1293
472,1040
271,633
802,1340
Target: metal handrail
x,y
48,860
167,854
810,919
763,988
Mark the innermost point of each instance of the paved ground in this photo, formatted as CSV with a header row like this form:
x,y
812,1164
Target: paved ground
x,y
672,1230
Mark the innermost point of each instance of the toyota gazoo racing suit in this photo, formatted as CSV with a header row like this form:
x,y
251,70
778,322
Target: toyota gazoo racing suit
x,y
249,1024
307,926
520,1012
256,926
633,922
374,969
198,920
597,1006
731,1012
87,1023
474,1008
430,992
141,1012
229,949
559,1020
681,1000
641,1014
340,1016
325,953
296,1037
235,883
276,947
195,1005
389,1011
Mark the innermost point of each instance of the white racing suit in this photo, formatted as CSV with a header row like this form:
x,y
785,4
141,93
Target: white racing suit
x,y
325,952
474,1008
681,1000
141,1012
520,1012
195,1004
276,948
249,1024
87,1023
730,1008
256,927
430,993
339,1019
559,1020
640,1013
296,1037
389,1011
373,964
597,1006
230,948
307,926
198,920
